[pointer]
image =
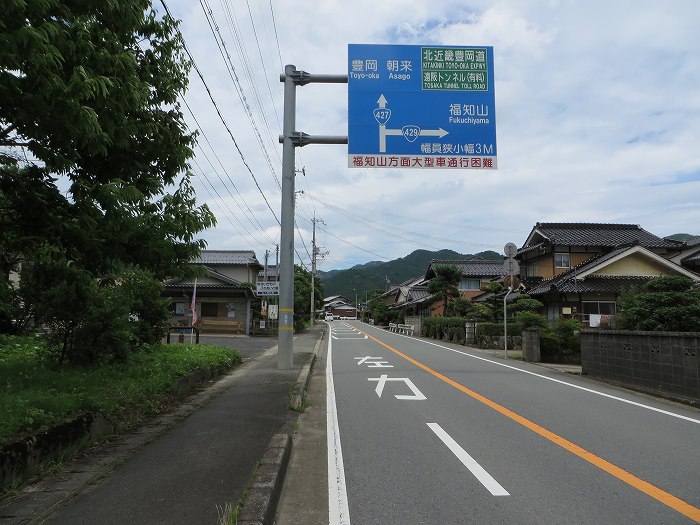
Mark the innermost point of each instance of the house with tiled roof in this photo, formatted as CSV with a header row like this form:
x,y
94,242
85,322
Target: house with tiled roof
x,y
400,293
476,272
553,248
580,269
222,301
340,306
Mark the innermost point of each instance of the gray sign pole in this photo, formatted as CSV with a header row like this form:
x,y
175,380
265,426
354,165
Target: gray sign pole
x,y
285,352
291,139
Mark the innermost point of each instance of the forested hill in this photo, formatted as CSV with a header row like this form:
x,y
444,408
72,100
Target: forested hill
x,y
374,275
683,237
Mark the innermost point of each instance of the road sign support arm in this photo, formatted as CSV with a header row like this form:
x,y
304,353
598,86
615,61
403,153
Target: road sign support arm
x,y
300,139
301,78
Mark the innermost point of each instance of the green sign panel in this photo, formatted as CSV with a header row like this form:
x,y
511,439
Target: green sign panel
x,y
454,69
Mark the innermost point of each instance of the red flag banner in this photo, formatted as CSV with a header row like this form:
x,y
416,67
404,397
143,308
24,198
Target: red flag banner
x,y
192,306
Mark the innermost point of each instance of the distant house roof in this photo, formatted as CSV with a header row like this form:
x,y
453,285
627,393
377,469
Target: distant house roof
x,y
417,295
242,257
404,286
334,299
345,307
590,234
473,267
224,282
334,304
272,272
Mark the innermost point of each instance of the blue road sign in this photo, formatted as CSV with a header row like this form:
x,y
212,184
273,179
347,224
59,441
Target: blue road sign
x,y
421,107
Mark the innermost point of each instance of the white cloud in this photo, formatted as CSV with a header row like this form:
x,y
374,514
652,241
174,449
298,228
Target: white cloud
x,y
597,120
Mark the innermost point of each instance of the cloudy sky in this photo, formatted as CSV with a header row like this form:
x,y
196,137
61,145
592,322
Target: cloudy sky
x,y
597,118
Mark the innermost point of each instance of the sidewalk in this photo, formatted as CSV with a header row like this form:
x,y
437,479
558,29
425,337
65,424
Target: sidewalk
x,y
188,465
517,355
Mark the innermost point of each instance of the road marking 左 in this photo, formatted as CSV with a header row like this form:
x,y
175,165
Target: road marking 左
x,y
647,488
493,486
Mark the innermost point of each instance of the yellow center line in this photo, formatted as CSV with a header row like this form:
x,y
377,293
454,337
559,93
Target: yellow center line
x,y
658,494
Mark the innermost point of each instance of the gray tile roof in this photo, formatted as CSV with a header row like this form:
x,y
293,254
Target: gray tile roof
x,y
598,284
227,257
272,271
224,282
474,267
592,234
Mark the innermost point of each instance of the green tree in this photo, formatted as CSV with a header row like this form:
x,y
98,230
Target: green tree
x,y
302,297
444,286
88,98
470,310
376,308
90,90
667,303
495,303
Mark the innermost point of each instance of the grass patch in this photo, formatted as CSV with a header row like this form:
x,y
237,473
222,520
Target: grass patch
x,y
35,395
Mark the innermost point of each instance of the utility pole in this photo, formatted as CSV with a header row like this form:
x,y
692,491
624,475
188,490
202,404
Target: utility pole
x,y
267,254
314,252
313,271
291,139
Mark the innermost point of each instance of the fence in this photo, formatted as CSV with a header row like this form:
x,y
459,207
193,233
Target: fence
x,y
666,363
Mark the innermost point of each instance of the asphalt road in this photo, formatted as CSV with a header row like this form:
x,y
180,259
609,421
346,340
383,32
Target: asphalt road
x,y
430,433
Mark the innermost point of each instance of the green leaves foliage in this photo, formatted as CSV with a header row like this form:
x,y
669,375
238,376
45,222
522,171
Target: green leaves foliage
x,y
35,395
88,98
302,296
667,303
444,286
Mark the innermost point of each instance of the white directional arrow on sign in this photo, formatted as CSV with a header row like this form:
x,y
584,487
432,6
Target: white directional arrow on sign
x,y
409,132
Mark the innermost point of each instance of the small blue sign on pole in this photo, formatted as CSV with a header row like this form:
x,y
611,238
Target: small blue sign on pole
x,y
421,107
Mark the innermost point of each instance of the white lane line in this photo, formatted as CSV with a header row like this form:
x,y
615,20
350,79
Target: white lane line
x,y
338,511
493,486
590,390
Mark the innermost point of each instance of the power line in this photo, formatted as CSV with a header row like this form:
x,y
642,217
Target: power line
x,y
354,245
250,212
221,44
360,219
221,117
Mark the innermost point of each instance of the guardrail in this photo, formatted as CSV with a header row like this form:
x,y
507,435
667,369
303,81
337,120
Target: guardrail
x,y
406,329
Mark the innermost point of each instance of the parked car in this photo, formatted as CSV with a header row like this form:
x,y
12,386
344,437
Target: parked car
x,y
329,317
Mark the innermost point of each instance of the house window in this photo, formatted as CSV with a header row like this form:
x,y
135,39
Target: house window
x,y
562,260
470,284
597,308
209,309
180,308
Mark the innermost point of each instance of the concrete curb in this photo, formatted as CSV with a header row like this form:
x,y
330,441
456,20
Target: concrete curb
x,y
260,503
264,492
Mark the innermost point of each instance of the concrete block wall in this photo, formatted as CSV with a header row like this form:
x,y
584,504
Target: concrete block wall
x,y
666,363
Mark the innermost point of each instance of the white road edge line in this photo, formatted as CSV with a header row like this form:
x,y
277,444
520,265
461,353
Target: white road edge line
x,y
590,390
338,511
493,486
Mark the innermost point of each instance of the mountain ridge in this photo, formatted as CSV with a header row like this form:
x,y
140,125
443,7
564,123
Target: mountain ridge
x,y
379,275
